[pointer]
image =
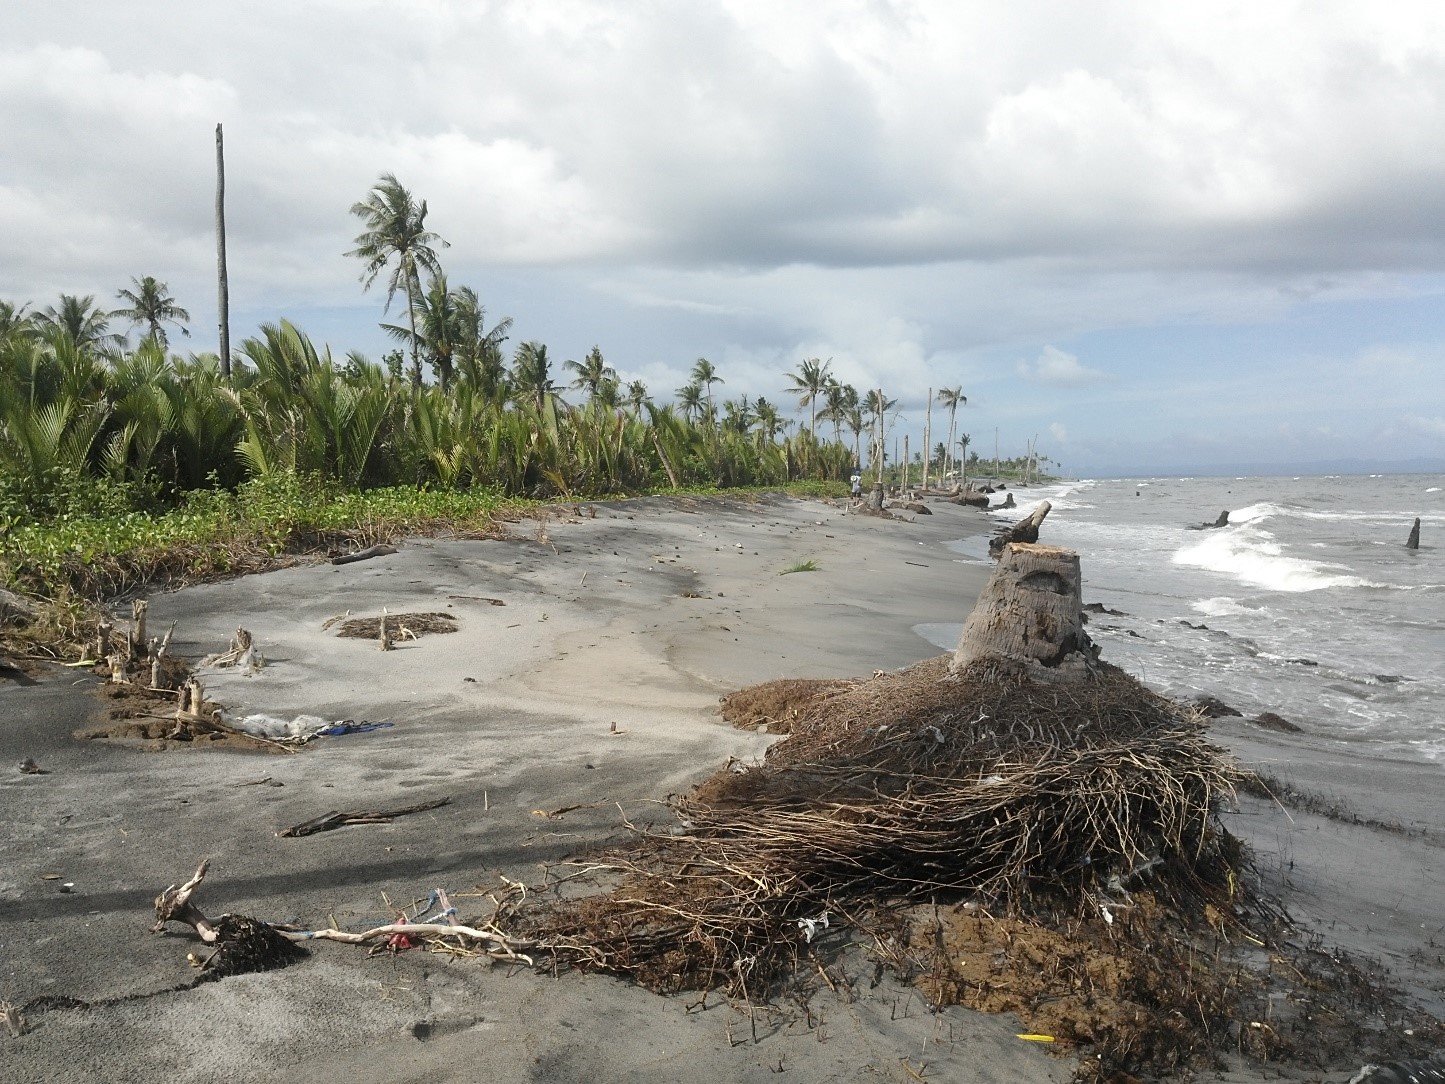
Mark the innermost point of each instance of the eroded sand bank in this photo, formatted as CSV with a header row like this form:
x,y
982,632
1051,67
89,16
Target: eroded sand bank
x,y
641,616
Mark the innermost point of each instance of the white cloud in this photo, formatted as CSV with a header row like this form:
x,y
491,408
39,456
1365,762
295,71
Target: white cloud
x,y
1059,433
1430,427
1057,368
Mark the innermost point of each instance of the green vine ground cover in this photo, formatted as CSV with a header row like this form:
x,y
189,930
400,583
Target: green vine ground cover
x,y
73,560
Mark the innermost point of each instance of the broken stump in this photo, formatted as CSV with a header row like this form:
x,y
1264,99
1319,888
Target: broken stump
x,y
1031,612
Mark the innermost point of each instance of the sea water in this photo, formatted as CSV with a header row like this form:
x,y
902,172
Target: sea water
x,y
1307,604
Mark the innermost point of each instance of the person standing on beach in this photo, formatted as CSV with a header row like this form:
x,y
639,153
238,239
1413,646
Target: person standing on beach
x,y
857,481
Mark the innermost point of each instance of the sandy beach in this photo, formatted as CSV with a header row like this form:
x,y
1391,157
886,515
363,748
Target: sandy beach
x,y
595,685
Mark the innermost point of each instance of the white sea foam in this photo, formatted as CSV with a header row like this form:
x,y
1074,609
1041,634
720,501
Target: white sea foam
x,y
1252,556
1220,606
1252,513
1433,489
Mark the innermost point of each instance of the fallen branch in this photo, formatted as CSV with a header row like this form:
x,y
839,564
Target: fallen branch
x,y
332,820
246,943
363,555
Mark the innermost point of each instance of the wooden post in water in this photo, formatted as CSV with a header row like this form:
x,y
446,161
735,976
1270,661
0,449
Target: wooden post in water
x,y
223,289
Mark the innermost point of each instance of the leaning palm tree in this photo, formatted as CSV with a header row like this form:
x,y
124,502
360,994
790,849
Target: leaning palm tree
x,y
950,397
396,231
151,307
810,381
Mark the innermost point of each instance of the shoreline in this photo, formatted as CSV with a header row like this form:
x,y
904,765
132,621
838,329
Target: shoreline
x,y
641,615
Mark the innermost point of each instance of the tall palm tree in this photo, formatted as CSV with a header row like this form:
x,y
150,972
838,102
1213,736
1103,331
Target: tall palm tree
x,y
768,420
435,327
853,419
705,376
396,230
879,405
637,395
479,351
591,372
532,373
152,306
950,397
810,381
837,399
689,400
738,414
87,326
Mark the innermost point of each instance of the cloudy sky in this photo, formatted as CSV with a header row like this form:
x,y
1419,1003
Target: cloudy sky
x,y
1157,236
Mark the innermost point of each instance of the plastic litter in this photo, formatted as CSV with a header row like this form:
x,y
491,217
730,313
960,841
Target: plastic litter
x,y
349,726
811,926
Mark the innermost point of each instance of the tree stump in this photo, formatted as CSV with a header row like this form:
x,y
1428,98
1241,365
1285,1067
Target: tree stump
x,y
1031,612
875,499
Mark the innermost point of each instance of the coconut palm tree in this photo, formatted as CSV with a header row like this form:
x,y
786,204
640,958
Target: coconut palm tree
x,y
768,420
878,405
738,414
14,320
532,374
853,419
705,376
810,381
479,351
950,397
151,307
396,231
87,326
690,400
591,372
636,396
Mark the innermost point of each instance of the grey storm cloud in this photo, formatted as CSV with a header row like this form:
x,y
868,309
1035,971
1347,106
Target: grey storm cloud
x,y
893,184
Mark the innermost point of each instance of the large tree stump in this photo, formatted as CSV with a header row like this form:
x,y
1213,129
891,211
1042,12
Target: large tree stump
x,y
1031,612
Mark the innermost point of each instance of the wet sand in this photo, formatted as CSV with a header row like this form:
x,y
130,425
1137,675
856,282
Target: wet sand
x,y
641,616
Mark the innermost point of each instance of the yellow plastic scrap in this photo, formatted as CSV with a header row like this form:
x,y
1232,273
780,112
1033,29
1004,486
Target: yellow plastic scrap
x,y
1037,1038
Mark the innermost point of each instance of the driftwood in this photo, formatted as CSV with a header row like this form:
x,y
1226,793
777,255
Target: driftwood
x,y
1221,521
1025,530
363,555
249,944
1413,542
332,820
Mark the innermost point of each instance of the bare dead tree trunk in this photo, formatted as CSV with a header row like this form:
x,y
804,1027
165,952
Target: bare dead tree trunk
x,y
1031,613
223,287
927,438
875,498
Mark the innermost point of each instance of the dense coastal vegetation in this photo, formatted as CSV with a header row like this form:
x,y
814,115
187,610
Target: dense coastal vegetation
x,y
122,460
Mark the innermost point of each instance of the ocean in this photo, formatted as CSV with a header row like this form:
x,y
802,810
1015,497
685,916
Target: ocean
x,y
1307,604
